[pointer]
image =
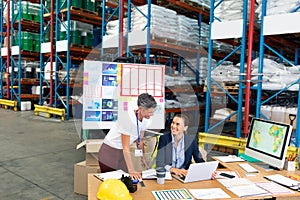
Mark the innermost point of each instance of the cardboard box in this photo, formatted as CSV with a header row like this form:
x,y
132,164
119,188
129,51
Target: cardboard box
x,y
81,171
91,159
92,149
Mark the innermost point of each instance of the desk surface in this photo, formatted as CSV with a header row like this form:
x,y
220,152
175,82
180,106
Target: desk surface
x,y
145,192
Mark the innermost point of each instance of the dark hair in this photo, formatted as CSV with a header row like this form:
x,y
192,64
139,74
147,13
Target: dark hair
x,y
186,120
146,101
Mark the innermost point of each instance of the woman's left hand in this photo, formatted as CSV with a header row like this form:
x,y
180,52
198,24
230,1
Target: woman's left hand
x,y
214,175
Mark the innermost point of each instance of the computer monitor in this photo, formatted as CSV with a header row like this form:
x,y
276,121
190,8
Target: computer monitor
x,y
268,142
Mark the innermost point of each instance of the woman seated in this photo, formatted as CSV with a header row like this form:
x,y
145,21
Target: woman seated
x,y
176,149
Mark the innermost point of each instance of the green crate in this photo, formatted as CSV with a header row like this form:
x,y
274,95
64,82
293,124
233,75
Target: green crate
x,y
46,35
24,16
75,37
36,18
23,41
75,33
62,35
87,40
37,47
88,5
36,37
26,35
27,46
47,38
75,3
75,40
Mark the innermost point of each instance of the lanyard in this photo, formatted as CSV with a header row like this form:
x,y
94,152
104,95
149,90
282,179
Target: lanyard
x,y
137,127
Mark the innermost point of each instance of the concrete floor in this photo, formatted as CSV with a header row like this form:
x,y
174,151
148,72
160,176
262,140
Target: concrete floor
x,y
37,157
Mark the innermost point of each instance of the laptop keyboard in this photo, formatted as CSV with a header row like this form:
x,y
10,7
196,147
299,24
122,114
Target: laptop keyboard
x,y
182,177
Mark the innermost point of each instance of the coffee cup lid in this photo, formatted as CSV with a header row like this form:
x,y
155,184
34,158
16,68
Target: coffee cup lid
x,y
160,169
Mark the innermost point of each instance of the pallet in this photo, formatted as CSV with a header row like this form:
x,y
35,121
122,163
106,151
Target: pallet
x,y
28,25
164,40
184,7
79,14
231,89
80,46
187,44
72,8
191,3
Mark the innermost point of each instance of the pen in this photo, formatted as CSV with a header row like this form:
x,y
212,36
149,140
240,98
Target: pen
x,y
142,183
291,157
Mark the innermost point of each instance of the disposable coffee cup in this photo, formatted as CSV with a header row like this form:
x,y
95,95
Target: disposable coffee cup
x,y
160,174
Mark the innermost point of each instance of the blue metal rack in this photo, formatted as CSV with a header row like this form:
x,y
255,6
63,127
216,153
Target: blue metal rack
x,y
56,58
43,30
14,57
48,59
213,5
1,42
263,45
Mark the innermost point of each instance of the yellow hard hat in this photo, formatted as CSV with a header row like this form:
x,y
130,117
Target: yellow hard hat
x,y
113,189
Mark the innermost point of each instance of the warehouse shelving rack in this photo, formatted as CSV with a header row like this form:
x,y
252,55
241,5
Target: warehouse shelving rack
x,y
150,49
64,55
2,65
150,46
13,54
271,26
238,29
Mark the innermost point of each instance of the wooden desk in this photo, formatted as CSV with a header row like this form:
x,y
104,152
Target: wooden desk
x,y
145,192
260,176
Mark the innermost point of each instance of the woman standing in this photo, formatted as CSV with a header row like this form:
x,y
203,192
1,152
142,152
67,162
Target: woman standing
x,y
114,153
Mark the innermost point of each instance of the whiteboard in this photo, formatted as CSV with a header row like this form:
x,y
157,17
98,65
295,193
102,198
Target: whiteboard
x,y
110,92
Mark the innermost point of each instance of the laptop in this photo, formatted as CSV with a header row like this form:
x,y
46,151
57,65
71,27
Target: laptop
x,y
199,172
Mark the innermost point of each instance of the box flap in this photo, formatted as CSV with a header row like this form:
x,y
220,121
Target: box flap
x,y
92,145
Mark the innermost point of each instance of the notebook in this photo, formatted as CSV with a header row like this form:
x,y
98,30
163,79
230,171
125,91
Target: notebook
x,y
199,172
151,174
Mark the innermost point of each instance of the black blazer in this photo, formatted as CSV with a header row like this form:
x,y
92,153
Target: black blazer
x,y
164,154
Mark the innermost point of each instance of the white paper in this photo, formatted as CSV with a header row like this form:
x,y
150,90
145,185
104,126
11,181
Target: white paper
x,y
113,174
151,174
229,158
211,193
248,190
234,182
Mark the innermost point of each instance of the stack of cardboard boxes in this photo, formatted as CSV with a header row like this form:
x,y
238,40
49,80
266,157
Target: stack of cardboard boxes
x,y
90,165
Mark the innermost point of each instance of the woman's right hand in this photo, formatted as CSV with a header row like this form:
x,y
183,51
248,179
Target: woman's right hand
x,y
135,175
179,172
